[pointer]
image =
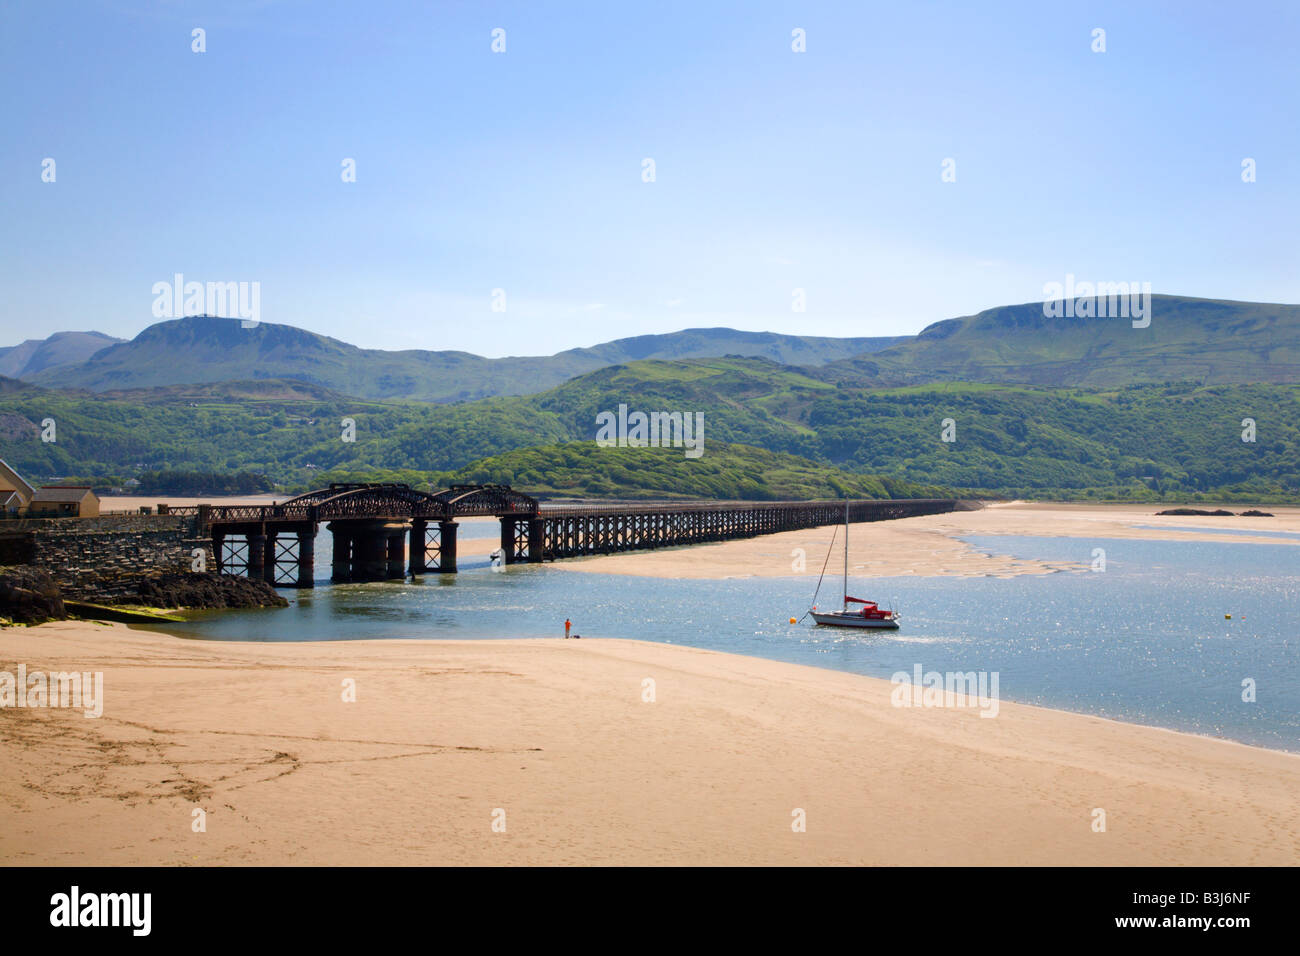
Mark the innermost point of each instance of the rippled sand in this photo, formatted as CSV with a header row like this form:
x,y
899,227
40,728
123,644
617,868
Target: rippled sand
x,y
557,741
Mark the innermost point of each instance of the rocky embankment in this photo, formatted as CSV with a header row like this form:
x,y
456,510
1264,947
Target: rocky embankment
x,y
29,595
192,590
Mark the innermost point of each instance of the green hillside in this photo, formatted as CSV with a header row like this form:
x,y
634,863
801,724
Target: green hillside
x,y
1176,441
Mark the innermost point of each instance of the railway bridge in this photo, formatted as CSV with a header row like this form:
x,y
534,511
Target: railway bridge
x,y
386,531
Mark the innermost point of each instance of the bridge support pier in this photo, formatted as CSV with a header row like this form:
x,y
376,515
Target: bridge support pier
x,y
443,553
269,557
371,550
341,569
370,558
396,553
508,539
306,559
257,557
415,556
218,545
536,540
447,553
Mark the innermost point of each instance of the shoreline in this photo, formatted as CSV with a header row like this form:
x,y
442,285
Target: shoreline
x,y
470,642
157,629
559,736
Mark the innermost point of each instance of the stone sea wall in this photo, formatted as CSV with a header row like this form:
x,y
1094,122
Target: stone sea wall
x,y
102,559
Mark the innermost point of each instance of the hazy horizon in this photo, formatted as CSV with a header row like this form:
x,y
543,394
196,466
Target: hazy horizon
x,y
616,337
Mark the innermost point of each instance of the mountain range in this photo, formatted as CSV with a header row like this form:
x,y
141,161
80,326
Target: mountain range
x,y
1042,407
62,348
1208,341
202,349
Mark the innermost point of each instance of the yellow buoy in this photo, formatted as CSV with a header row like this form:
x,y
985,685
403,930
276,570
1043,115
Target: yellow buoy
x,y
792,621
1227,617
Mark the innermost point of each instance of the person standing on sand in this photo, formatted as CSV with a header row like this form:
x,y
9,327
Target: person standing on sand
x,y
567,624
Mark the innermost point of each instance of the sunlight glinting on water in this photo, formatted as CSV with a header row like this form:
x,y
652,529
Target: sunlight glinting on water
x,y
1146,640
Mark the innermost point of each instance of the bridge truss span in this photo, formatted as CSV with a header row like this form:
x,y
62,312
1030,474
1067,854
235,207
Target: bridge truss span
x,y
573,531
387,530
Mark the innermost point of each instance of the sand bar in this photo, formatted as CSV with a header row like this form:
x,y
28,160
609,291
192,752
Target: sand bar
x,y
558,736
931,545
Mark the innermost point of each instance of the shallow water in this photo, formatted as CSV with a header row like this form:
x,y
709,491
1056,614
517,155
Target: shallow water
x,y
1292,535
1145,641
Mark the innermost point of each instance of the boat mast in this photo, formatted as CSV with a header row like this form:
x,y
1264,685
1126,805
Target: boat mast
x,y
846,554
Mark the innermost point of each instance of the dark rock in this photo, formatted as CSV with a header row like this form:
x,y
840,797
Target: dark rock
x,y
30,596
195,590
1220,513
1256,514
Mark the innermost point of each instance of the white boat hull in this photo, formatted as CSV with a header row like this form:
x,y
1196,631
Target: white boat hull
x,y
838,619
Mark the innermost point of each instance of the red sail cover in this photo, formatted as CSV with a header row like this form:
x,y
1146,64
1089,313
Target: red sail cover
x,y
859,601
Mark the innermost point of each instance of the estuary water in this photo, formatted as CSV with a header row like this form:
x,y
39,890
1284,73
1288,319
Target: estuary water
x,y
1147,640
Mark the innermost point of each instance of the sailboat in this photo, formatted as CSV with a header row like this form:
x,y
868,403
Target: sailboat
x,y
869,615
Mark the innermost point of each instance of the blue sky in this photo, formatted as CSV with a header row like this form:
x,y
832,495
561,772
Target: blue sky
x,y
522,171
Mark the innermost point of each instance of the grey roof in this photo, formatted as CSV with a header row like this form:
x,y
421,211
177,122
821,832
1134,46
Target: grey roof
x,y
64,493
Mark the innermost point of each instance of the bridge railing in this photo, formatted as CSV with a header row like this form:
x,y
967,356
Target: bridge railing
x,y
677,507
344,508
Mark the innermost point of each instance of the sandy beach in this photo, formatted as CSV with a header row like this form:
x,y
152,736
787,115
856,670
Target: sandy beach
x,y
556,740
